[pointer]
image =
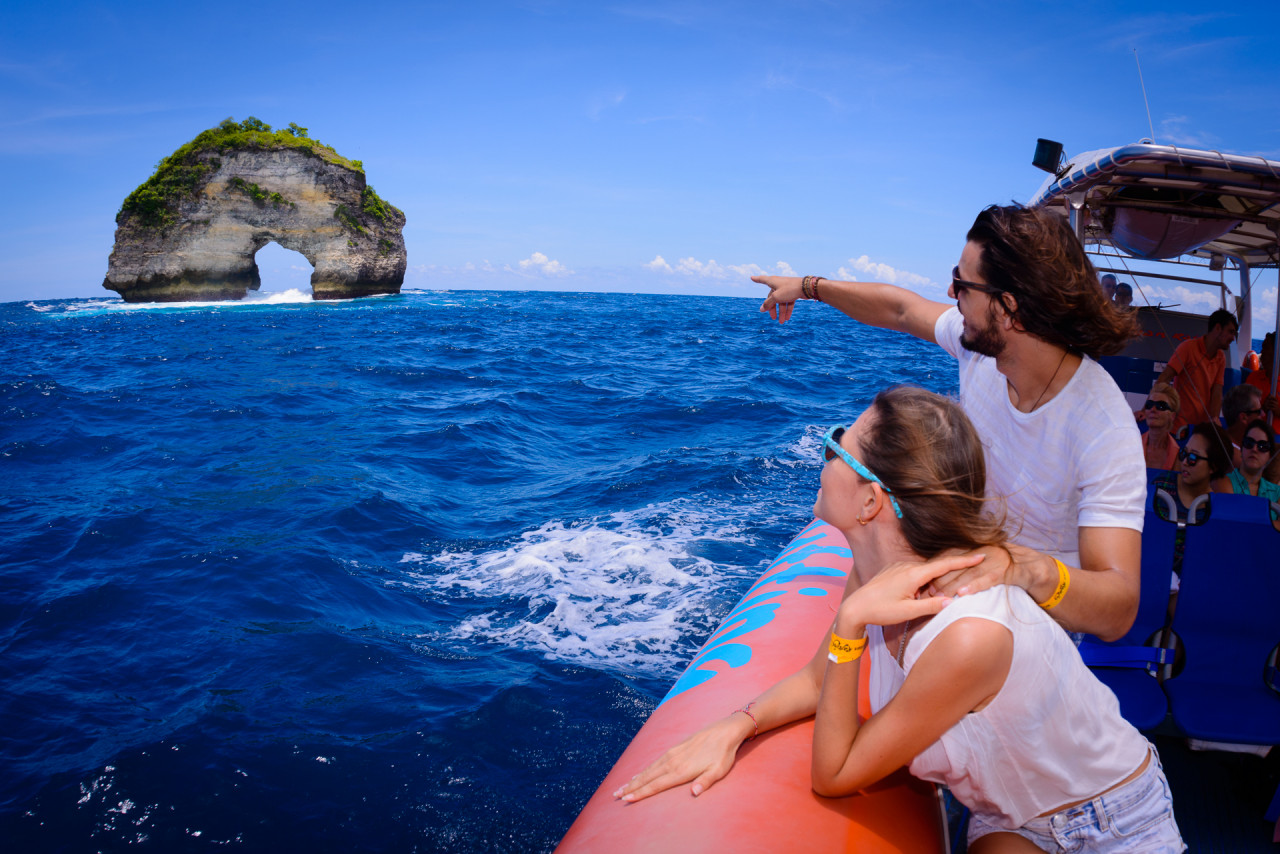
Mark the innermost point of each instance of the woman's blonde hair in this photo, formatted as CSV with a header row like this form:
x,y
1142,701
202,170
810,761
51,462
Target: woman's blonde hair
x,y
1169,392
927,452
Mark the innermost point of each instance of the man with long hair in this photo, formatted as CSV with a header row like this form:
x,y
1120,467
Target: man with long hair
x,y
1063,452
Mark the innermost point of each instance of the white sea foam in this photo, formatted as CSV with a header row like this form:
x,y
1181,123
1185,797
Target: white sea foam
x,y
620,593
107,305
278,297
806,451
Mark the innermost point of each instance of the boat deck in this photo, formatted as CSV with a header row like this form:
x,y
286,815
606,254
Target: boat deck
x,y
1220,799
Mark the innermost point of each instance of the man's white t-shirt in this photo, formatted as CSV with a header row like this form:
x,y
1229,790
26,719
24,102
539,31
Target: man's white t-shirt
x,y
1075,462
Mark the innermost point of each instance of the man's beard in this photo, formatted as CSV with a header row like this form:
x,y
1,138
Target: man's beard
x,y
987,341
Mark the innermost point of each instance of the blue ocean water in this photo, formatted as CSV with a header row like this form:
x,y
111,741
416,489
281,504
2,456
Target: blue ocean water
x,y
403,573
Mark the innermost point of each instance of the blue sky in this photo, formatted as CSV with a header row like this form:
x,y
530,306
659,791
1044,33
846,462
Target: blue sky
x,y
646,147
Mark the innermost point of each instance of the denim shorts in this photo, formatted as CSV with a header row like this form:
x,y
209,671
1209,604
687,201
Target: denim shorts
x,y
1137,816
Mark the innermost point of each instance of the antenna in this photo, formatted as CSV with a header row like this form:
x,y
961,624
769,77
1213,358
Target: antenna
x,y
1144,95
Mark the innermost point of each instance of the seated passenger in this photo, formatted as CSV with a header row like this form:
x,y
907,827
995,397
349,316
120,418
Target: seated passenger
x,y
1124,296
1240,405
985,693
1203,460
1108,285
1256,450
1158,446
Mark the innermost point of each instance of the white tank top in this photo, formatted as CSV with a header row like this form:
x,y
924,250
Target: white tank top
x,y
1052,735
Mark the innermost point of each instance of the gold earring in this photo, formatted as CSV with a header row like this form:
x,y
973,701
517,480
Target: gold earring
x,y
861,521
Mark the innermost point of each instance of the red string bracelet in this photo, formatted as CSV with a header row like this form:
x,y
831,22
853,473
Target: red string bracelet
x,y
746,710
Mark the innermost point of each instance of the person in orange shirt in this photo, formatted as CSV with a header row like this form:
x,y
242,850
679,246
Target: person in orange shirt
x,y
1261,380
1196,370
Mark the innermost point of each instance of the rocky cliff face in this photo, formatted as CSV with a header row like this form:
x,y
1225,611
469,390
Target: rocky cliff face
x,y
194,237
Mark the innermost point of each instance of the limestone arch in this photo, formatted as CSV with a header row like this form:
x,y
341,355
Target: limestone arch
x,y
281,268
202,244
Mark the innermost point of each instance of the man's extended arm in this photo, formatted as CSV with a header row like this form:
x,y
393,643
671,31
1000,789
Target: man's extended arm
x,y
873,303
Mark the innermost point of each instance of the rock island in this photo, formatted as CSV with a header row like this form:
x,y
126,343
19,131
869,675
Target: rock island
x,y
191,231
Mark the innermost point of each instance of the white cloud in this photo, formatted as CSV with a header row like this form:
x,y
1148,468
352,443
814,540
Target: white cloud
x,y
1175,129
735,273
694,267
779,82
599,103
539,263
863,268
1264,310
1195,301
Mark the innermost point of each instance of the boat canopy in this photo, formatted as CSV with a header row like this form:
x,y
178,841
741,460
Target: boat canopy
x,y
1161,201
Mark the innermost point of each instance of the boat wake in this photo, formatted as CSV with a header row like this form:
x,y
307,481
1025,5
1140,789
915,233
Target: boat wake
x,y
627,593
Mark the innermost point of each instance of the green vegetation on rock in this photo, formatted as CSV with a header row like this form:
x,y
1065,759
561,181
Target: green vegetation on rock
x,y
183,173
258,194
373,205
343,215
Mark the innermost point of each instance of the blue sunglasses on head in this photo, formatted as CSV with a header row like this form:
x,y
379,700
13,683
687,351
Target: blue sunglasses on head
x,y
831,448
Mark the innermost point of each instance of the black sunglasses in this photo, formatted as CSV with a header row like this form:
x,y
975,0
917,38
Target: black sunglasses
x,y
1158,406
1190,456
959,284
1249,444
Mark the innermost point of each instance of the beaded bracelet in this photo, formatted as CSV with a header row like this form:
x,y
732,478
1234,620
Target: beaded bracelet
x,y
842,650
816,279
1064,581
746,710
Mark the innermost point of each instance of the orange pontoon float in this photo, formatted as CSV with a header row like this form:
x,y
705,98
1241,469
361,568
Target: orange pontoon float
x,y
765,804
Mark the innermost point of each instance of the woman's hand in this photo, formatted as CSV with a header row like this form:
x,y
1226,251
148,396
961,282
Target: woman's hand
x,y
901,592
783,293
704,757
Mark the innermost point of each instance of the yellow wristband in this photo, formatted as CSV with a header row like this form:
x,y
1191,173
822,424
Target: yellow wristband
x,y
843,650
1064,581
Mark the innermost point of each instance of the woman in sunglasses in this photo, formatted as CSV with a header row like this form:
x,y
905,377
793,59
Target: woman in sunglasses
x,y
1205,459
1256,451
1158,445
985,693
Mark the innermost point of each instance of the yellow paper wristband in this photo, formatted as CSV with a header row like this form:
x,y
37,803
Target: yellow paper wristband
x,y
1064,581
843,650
